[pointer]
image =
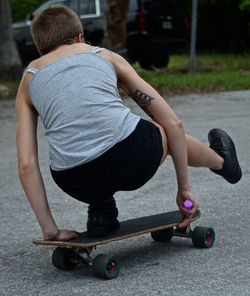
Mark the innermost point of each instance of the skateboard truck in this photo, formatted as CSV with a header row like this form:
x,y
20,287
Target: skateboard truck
x,y
183,232
84,255
202,237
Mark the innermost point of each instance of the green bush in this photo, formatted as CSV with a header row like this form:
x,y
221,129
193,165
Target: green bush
x,y
20,8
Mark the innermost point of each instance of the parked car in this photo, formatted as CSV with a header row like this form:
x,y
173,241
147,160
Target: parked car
x,y
92,14
155,29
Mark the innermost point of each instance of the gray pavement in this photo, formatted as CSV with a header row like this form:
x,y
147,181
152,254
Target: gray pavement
x,y
147,267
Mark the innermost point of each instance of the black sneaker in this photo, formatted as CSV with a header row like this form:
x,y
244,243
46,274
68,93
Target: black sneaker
x,y
102,219
222,144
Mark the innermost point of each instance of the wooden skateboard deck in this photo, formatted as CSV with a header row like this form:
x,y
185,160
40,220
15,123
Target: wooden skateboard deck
x,y
128,229
162,227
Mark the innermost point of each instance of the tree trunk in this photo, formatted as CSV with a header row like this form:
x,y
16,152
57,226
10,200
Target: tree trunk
x,y
116,25
10,63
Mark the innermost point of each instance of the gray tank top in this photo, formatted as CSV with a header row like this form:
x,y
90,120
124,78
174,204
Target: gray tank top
x,y
80,107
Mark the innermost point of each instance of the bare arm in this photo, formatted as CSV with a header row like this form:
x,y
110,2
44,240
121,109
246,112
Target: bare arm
x,y
158,109
28,166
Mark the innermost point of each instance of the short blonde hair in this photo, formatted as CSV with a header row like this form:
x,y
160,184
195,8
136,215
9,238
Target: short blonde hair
x,y
55,26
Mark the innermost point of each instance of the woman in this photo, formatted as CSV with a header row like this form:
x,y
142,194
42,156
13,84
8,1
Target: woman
x,y
97,145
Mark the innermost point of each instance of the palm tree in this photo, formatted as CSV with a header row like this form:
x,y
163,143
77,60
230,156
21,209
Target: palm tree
x,y
10,63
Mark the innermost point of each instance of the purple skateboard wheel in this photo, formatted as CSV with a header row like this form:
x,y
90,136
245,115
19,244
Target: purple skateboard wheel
x,y
187,204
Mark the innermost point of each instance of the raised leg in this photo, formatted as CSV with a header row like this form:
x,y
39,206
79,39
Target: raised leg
x,y
201,155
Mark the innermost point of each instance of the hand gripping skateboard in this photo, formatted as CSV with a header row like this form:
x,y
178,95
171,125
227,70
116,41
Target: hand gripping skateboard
x,y
162,227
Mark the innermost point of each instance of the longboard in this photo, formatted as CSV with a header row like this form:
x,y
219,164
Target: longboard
x,y
161,226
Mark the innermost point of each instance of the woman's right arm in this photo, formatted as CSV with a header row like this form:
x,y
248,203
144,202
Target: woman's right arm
x,y
28,165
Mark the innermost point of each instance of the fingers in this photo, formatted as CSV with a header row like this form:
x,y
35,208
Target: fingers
x,y
65,235
184,223
186,213
72,234
186,217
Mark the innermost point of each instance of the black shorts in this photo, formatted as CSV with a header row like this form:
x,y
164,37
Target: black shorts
x,y
126,166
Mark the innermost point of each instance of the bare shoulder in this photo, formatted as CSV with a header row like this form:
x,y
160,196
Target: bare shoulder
x,y
37,63
45,60
23,96
107,55
114,58
121,65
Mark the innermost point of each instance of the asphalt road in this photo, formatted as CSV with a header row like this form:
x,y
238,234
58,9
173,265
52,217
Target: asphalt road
x,y
147,267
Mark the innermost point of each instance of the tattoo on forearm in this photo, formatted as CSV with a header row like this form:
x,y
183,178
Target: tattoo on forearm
x,y
143,100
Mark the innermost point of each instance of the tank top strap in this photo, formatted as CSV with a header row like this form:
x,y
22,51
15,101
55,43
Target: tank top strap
x,y
31,70
97,49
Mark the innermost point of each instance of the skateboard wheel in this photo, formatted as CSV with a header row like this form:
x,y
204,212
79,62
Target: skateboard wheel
x,y
163,236
106,267
64,258
203,237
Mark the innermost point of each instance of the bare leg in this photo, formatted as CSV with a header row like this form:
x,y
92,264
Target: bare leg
x,y
200,155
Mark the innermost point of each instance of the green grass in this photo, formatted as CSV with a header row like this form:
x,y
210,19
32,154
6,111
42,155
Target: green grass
x,y
213,73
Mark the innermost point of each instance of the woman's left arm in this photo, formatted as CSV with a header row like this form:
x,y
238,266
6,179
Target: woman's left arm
x,y
159,110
